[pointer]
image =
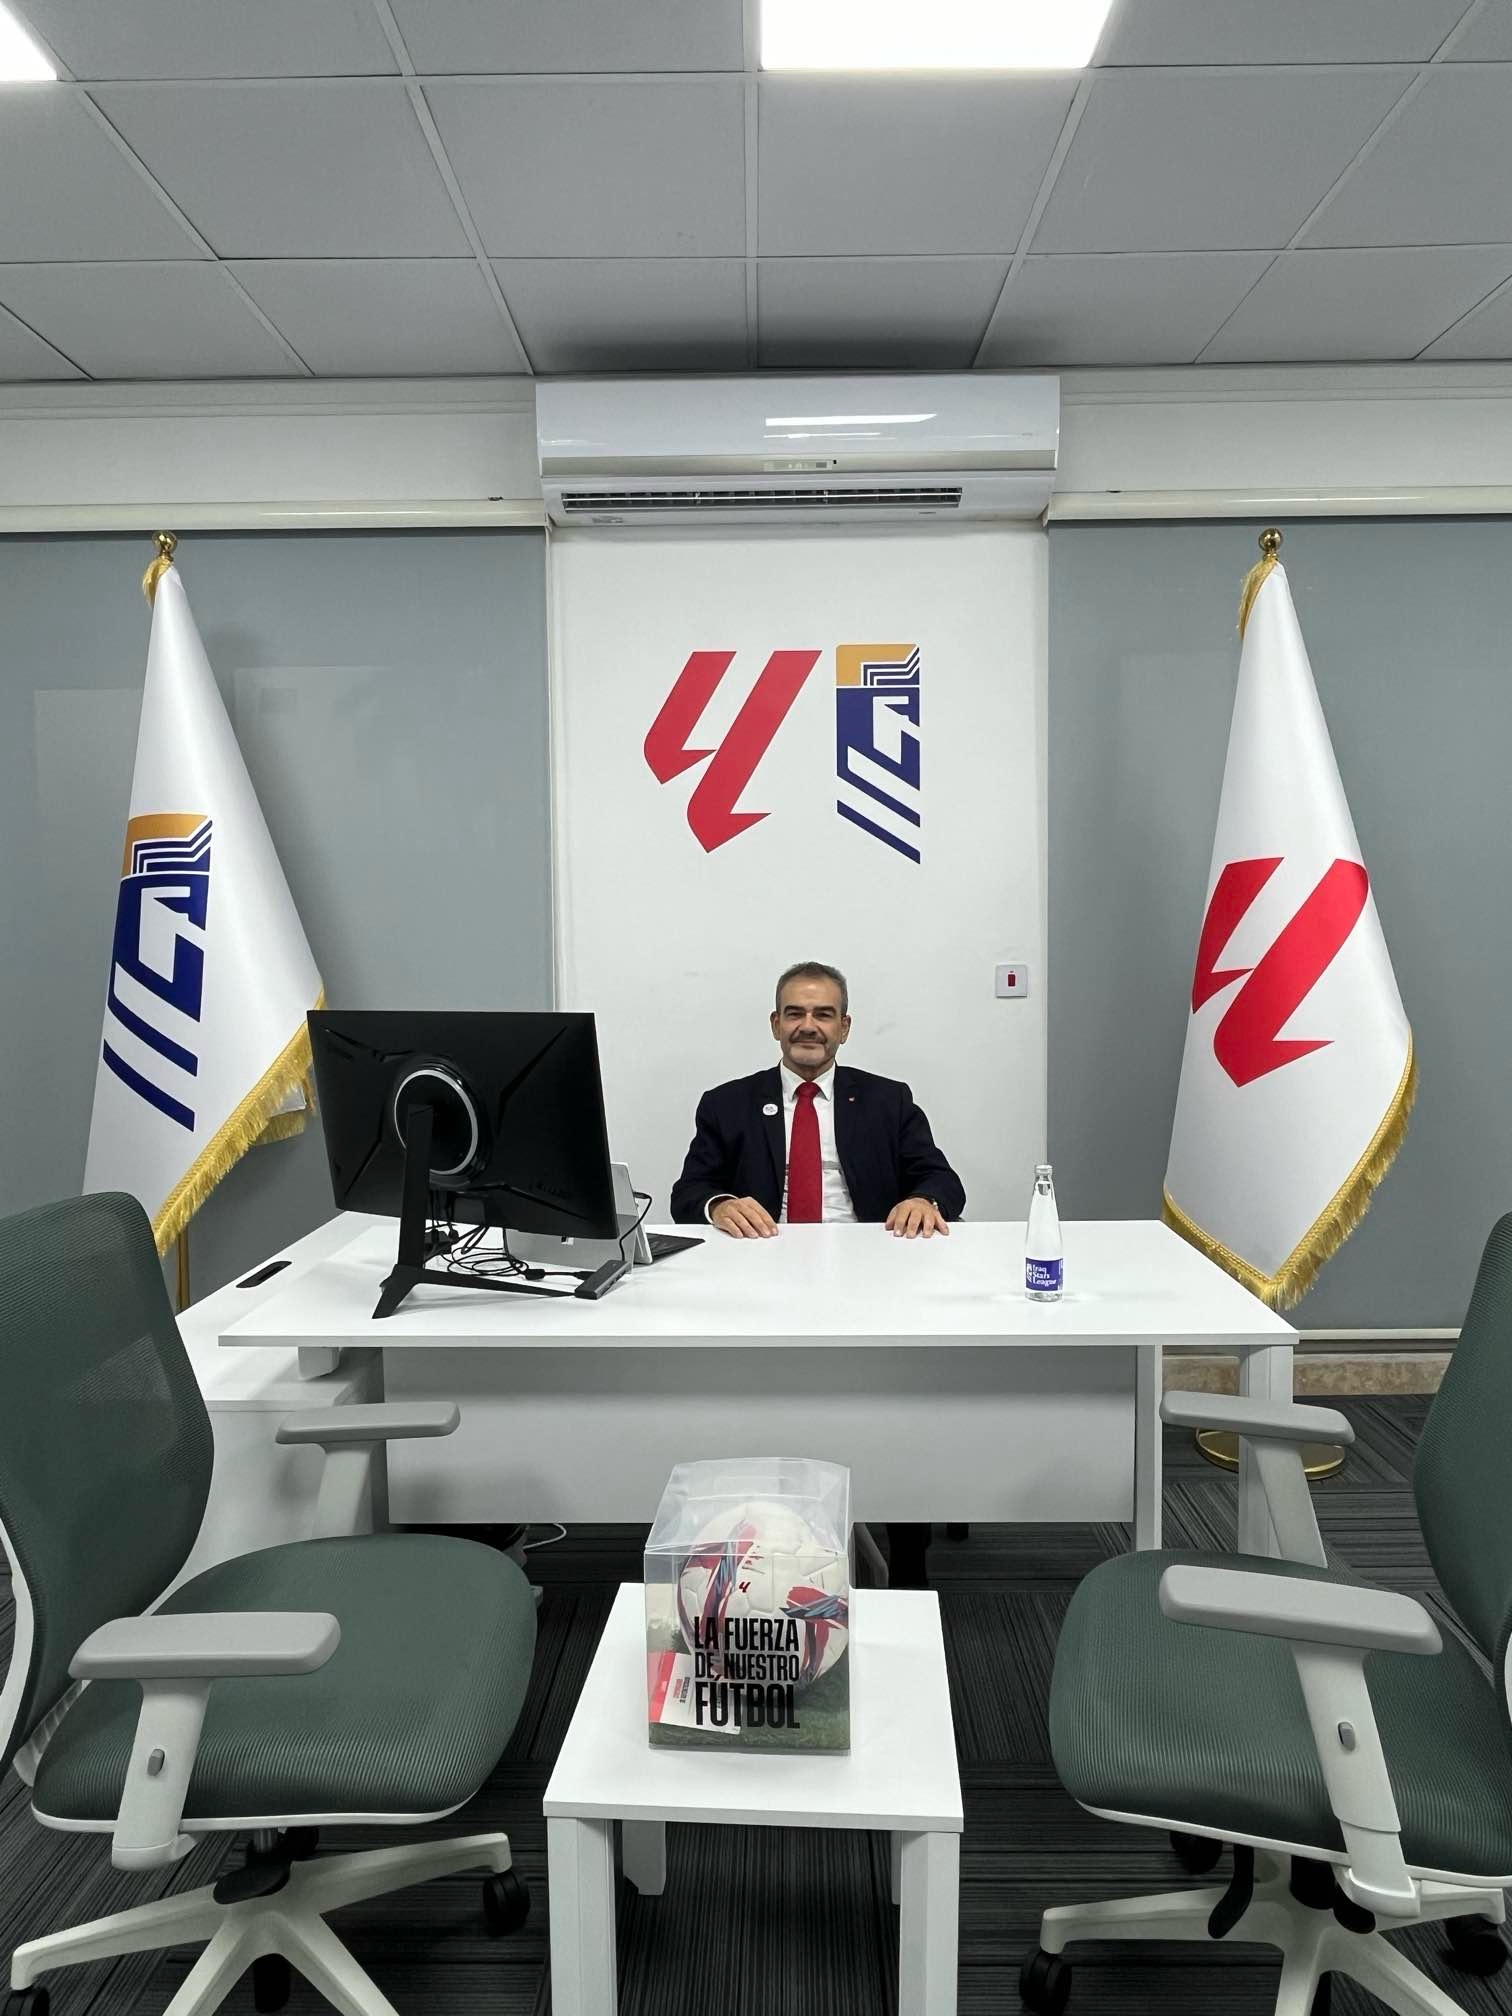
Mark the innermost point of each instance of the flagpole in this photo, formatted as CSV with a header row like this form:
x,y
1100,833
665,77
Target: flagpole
x,y
167,544
1221,1445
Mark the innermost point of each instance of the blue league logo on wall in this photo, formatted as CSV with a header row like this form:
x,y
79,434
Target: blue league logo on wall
x,y
877,742
157,961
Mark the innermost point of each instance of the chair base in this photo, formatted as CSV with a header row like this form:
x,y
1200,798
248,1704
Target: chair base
x,y
291,1922
1311,1941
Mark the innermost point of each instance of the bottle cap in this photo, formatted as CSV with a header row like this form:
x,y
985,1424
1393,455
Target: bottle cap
x,y
1042,1169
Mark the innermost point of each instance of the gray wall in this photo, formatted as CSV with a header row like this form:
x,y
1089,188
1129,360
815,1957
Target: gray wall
x,y
1407,628
389,694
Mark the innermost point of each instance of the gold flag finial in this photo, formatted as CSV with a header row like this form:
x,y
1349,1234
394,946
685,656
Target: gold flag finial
x,y
166,543
1270,553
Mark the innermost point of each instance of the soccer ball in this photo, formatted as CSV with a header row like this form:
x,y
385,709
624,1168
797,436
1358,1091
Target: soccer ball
x,y
762,1560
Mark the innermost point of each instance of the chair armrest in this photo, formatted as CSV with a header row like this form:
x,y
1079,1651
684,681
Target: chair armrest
x,y
380,1421
1330,1626
174,1659
1294,1606
208,1645
1283,1420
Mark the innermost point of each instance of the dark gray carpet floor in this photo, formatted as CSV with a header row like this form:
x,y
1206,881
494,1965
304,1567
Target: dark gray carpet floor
x,y
760,1923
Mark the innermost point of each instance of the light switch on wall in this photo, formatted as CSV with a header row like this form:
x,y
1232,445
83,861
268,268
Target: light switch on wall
x,y
1011,981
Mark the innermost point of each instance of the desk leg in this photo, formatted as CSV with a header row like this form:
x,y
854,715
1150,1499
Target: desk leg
x,y
1265,1373
643,1855
929,1927
580,1871
1149,1361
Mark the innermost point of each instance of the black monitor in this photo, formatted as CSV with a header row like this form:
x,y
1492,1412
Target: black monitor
x,y
481,1118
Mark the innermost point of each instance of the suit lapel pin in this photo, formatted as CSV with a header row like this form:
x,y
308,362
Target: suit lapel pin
x,y
770,1110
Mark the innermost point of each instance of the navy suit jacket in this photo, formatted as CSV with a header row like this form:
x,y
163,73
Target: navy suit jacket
x,y
882,1138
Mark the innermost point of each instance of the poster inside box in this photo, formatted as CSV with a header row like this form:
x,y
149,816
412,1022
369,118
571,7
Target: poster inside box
x,y
748,1606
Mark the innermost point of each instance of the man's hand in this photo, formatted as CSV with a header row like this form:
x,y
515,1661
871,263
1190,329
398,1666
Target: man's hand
x,y
743,1218
916,1218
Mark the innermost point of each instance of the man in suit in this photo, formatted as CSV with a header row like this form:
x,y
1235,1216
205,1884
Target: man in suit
x,y
812,1141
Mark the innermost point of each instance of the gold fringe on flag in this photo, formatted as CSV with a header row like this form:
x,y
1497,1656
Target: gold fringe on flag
x,y
1259,574
1333,1225
256,1119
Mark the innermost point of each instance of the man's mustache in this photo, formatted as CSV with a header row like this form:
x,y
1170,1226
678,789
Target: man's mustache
x,y
809,1036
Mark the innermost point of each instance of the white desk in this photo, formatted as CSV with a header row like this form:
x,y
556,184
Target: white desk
x,y
919,1363
899,1777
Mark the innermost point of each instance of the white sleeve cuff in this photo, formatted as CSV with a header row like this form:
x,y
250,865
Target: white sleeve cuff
x,y
709,1207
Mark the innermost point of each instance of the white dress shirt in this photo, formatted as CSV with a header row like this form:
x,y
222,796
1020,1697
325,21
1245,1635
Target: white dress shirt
x,y
835,1206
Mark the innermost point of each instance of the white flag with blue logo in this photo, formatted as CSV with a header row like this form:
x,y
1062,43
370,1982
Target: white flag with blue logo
x,y
204,1051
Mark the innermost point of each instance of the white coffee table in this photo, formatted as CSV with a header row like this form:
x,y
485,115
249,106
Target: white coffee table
x,y
899,1777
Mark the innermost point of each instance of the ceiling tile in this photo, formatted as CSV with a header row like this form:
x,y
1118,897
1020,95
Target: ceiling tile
x,y
384,318
554,168
25,357
1319,307
1165,163
1488,39
68,193
1118,308
1277,31
1442,173
154,319
912,314
292,170
916,164
212,38
628,314
1486,333
462,35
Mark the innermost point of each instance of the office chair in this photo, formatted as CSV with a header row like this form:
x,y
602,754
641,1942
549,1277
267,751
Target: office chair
x,y
1358,1760
368,1679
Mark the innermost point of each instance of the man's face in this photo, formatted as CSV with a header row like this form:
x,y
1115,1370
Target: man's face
x,y
809,1026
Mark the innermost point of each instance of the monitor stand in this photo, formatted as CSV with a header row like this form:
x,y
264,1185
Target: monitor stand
x,y
416,1240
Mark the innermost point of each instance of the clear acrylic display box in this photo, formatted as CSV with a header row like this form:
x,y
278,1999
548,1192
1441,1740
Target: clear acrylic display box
x,y
747,1581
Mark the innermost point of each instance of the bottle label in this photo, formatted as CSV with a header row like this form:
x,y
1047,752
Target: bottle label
x,y
1043,1277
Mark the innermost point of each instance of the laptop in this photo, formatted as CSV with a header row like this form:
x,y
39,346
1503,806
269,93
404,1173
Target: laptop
x,y
542,1249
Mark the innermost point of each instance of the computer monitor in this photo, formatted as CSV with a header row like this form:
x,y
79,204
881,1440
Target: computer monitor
x,y
488,1118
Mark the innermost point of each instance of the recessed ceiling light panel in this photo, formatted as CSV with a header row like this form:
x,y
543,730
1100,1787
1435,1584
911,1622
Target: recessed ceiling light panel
x,y
21,61
930,34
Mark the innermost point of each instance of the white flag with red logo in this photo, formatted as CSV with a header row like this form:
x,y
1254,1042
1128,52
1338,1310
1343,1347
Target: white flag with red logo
x,y
205,1050
1298,1072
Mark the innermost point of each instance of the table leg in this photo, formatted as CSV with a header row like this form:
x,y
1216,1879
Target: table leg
x,y
580,1871
643,1855
929,1925
1148,1378
1265,1373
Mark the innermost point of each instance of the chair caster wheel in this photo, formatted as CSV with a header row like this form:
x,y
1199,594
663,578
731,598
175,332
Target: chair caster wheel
x,y
506,1904
26,2002
271,1983
1196,1853
1475,1944
1045,1983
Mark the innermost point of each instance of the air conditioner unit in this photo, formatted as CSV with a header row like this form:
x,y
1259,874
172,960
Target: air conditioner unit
x,y
759,450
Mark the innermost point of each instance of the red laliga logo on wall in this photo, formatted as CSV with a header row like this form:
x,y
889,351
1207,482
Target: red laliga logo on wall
x,y
711,809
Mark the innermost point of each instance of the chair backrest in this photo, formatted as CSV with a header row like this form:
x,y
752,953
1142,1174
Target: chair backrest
x,y
1463,1478
105,1445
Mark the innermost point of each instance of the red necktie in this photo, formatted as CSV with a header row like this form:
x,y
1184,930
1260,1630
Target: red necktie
x,y
805,1184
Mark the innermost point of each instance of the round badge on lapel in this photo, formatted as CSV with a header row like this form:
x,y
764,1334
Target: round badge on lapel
x,y
770,1109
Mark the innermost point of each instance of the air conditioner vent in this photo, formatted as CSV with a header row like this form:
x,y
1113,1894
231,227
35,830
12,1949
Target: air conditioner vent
x,y
818,497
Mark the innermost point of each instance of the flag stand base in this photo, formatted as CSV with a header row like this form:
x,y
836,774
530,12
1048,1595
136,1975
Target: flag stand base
x,y
1221,1448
